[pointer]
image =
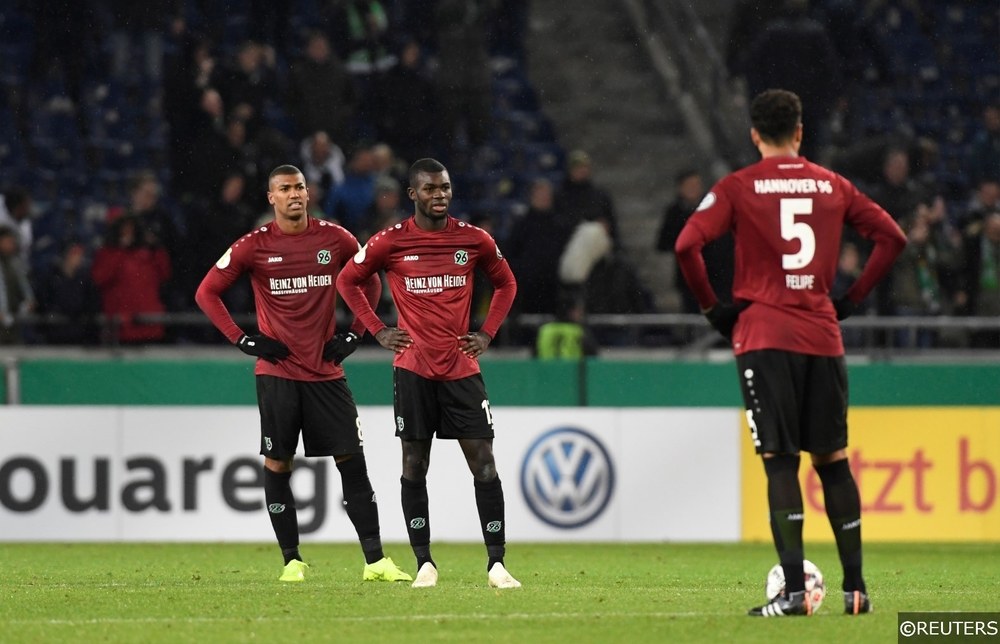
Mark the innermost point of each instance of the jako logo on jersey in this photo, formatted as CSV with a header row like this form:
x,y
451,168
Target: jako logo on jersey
x,y
275,260
323,257
410,258
461,257
567,477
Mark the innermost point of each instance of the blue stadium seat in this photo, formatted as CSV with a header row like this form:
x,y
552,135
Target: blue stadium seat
x,y
514,93
15,62
278,117
939,87
17,41
522,125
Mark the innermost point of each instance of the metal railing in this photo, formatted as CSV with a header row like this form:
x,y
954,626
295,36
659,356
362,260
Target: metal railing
x,y
684,334
690,334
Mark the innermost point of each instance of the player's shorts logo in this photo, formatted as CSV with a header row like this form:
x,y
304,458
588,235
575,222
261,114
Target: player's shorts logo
x,y
567,477
461,257
323,257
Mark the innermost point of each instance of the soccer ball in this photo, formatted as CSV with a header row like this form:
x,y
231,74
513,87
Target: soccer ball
x,y
815,585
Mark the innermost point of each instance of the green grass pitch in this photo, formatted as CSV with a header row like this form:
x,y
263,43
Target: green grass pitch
x,y
572,593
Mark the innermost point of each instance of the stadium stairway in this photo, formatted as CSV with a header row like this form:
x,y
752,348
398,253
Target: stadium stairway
x,y
596,83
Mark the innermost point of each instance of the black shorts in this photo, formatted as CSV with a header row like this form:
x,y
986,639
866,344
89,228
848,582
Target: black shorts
x,y
794,402
449,408
323,411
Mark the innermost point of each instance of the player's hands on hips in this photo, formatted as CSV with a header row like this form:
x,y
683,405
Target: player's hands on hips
x,y
723,317
473,344
844,308
394,338
340,346
264,347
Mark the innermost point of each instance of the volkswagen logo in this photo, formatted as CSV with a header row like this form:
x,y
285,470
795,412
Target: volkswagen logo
x,y
567,477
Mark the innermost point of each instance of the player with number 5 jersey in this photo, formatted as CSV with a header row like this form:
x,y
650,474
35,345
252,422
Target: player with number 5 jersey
x,y
787,215
437,385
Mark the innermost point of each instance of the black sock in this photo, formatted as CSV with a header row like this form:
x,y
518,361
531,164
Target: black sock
x,y
489,502
784,497
413,494
843,508
362,508
281,509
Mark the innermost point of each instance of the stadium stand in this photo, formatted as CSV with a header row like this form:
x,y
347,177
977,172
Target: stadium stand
x,y
77,154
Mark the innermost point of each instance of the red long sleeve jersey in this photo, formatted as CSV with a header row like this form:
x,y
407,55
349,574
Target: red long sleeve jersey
x,y
294,286
430,275
787,216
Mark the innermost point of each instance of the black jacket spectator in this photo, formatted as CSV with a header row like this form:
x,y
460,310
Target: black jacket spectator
x,y
403,105
66,290
578,199
718,254
321,94
796,53
533,249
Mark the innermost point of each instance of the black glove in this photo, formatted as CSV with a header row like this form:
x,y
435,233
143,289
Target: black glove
x,y
341,346
844,307
264,347
723,317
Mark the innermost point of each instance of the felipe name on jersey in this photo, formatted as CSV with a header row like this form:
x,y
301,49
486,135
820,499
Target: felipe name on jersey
x,y
799,282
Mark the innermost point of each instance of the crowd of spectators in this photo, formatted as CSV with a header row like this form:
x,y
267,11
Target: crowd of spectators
x,y
144,148
141,135
930,156
903,98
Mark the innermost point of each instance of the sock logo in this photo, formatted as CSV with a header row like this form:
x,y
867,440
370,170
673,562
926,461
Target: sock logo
x,y
276,508
418,523
851,525
494,526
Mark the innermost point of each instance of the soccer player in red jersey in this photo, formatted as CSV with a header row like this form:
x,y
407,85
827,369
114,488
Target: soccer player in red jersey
x,y
429,261
787,215
293,263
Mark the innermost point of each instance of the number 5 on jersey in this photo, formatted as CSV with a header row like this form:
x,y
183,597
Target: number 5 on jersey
x,y
800,230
